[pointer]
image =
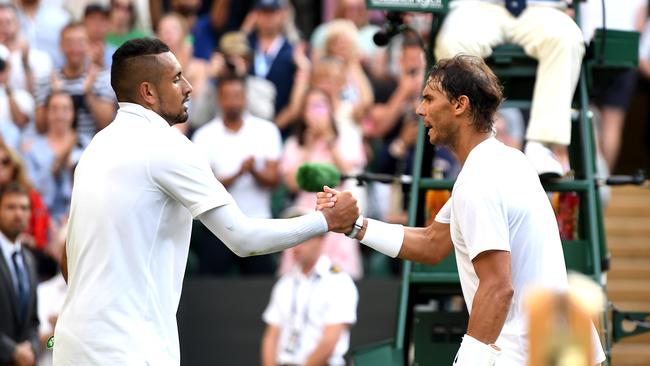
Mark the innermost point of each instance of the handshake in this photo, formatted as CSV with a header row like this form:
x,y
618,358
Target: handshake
x,y
339,208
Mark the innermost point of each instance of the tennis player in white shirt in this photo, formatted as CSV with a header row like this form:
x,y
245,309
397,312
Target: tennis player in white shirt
x,y
498,220
137,187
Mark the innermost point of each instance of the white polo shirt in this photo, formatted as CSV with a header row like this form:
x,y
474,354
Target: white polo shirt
x,y
136,189
498,203
305,304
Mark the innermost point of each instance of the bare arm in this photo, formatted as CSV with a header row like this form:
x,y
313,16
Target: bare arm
x,y
326,345
101,110
428,245
492,300
19,118
270,345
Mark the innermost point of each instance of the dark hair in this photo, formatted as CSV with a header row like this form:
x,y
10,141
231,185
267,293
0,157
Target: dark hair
x,y
411,38
96,8
469,76
134,62
13,188
230,76
300,126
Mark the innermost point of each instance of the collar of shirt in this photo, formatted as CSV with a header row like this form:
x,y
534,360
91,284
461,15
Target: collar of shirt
x,y
321,268
264,60
8,249
138,110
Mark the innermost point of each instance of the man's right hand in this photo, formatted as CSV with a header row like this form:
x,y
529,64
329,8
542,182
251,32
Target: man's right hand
x,y
341,216
24,355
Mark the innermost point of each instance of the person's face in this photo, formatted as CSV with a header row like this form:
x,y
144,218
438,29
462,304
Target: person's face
x,y
74,45
121,11
270,21
170,32
96,25
6,167
438,116
232,99
412,60
14,214
60,112
173,90
307,253
330,78
8,25
317,113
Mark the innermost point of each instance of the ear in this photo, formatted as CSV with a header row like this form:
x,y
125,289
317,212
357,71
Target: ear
x,y
148,93
461,105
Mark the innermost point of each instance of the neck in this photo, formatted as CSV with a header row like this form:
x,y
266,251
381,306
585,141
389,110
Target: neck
x,y
267,38
233,124
307,268
56,133
11,237
30,9
467,142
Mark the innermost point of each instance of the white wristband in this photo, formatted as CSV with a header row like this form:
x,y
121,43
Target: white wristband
x,y
476,353
383,237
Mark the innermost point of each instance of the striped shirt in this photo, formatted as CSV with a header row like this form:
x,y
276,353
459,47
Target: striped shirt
x,y
85,125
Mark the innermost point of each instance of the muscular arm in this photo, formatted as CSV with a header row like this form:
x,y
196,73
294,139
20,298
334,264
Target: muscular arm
x,y
428,245
248,236
492,300
270,345
326,345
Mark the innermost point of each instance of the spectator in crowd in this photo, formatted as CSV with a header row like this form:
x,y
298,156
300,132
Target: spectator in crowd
x,y
143,10
243,152
316,140
41,23
122,23
18,319
235,55
12,170
356,12
89,86
51,157
96,22
28,63
475,27
310,312
16,104
173,31
273,54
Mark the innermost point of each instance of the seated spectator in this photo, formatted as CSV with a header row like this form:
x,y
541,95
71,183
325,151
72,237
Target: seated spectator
x,y
28,63
311,310
243,152
475,27
16,104
51,157
18,317
316,139
96,23
235,55
122,25
94,100
12,169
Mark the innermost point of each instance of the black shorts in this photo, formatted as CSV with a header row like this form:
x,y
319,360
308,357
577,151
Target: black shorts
x,y
618,93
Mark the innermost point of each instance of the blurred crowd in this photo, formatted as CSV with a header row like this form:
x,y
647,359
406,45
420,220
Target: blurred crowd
x,y
276,83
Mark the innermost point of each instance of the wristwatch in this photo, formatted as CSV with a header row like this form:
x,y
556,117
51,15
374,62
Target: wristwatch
x,y
356,228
